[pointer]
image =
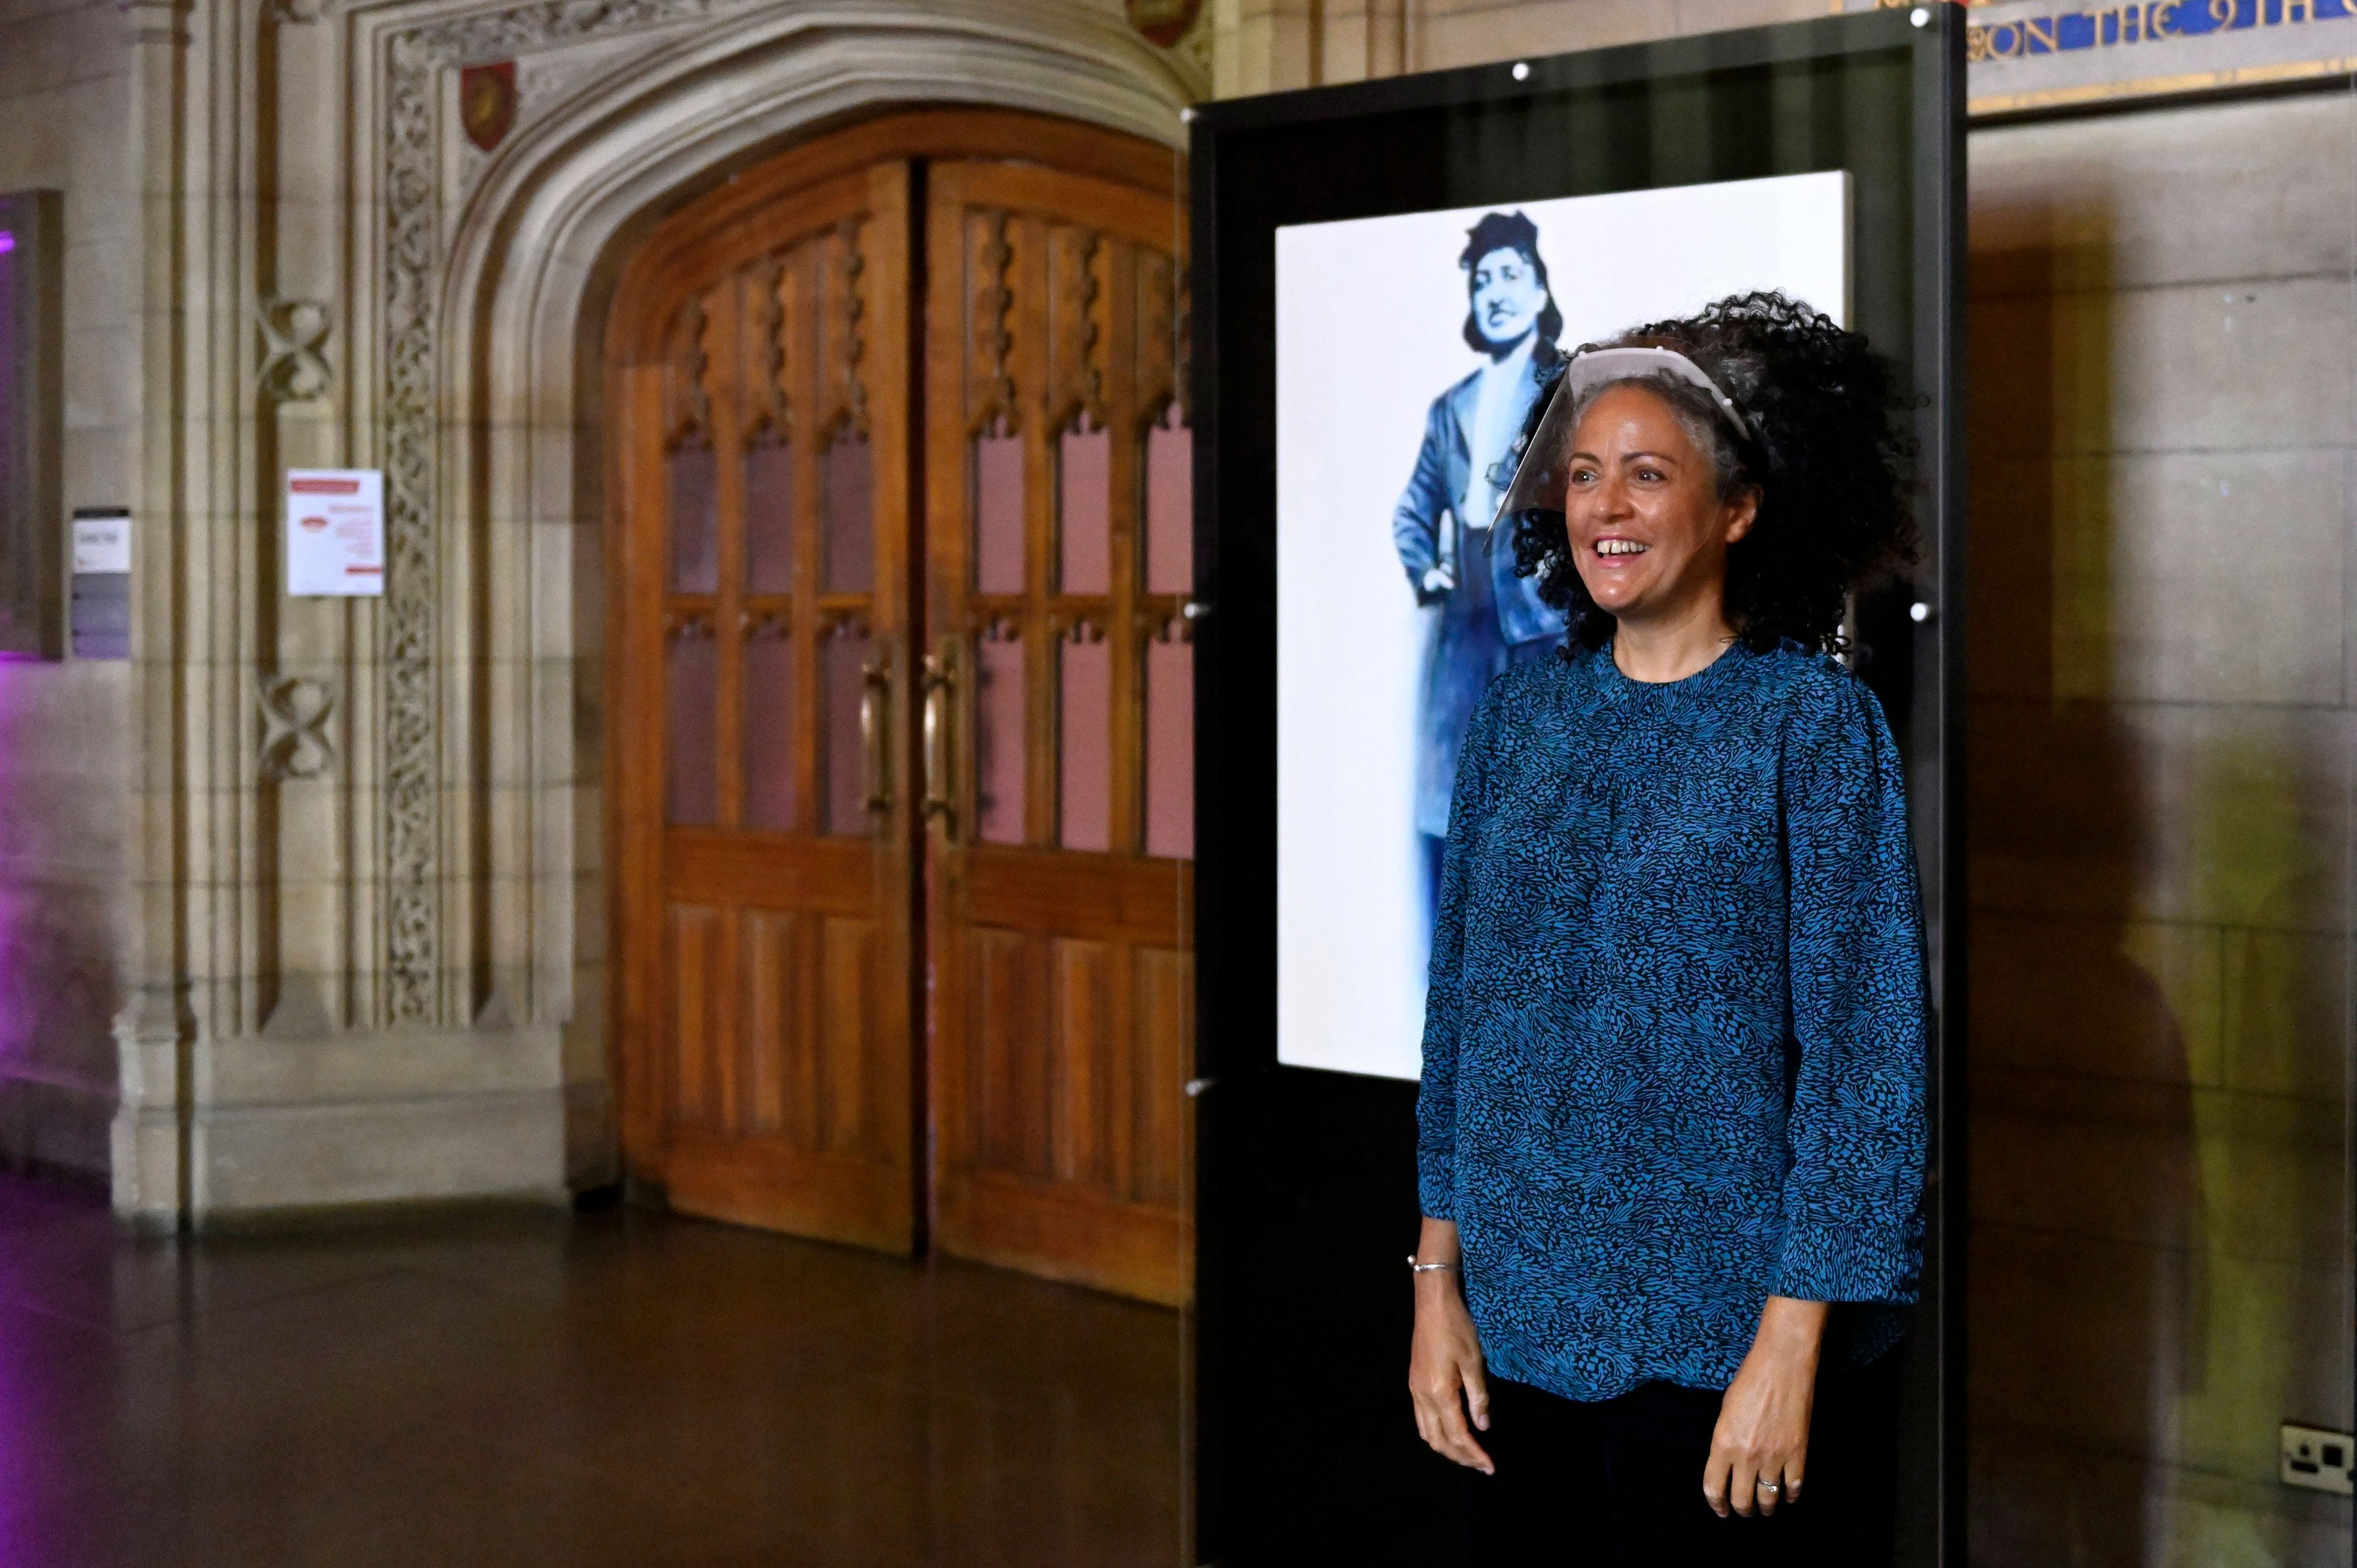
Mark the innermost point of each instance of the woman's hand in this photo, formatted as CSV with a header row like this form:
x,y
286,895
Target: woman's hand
x,y
1444,1365
1761,1447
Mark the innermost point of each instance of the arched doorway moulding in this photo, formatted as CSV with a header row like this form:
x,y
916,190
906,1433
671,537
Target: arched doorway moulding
x,y
533,259
459,937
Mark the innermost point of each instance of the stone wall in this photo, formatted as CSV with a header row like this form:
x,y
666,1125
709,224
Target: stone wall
x,y
65,127
2161,823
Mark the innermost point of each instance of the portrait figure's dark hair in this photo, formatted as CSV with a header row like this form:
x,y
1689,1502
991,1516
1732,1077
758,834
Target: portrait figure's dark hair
x,y
1507,231
1831,461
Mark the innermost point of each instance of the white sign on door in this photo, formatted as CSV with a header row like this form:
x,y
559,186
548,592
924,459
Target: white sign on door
x,y
335,531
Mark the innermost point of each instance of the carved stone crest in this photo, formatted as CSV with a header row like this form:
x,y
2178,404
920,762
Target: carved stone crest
x,y
1164,22
487,103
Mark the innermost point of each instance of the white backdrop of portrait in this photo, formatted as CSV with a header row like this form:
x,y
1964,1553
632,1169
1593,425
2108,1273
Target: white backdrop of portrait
x,y
1368,330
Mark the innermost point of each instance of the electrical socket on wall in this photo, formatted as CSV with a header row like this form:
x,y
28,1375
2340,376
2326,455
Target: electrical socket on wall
x,y
2318,1459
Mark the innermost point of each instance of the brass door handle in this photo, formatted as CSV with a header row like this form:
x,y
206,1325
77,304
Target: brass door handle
x,y
875,696
940,683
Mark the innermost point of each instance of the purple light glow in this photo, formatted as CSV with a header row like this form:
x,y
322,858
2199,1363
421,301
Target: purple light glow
x,y
7,241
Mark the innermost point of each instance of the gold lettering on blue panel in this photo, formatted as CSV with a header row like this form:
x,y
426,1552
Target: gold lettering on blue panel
x,y
2062,31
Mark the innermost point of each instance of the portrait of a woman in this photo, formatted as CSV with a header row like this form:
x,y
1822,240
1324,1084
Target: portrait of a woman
x,y
1489,618
1672,1121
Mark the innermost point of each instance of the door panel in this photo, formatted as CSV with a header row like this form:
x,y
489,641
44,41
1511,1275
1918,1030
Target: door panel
x,y
698,974
767,681
763,797
1061,970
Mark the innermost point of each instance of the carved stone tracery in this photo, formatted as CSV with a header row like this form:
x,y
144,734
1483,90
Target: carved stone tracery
x,y
295,713
411,619
294,337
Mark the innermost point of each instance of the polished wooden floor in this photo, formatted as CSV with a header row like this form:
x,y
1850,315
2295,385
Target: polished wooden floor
x,y
525,1389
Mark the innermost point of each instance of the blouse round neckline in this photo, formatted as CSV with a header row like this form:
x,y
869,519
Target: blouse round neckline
x,y
1619,681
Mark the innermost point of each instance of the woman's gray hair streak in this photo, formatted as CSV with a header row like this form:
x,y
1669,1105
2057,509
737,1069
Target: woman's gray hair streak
x,y
1696,414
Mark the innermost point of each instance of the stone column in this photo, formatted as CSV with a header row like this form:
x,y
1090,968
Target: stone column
x,y
155,1029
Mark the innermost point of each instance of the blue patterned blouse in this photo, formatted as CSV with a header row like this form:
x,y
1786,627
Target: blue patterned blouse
x,y
1675,1051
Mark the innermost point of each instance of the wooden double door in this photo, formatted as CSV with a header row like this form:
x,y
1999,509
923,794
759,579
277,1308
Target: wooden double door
x,y
900,718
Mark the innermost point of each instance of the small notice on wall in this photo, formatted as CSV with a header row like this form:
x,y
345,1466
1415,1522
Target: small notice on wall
x,y
335,531
101,539
99,613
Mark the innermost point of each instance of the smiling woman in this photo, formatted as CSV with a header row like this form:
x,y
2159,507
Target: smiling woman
x,y
1776,401
1649,513
1671,1123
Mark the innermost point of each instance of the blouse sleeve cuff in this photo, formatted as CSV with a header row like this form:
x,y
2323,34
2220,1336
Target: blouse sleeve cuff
x,y
1866,1263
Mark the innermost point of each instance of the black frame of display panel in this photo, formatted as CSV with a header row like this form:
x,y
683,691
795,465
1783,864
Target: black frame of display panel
x,y
1304,1446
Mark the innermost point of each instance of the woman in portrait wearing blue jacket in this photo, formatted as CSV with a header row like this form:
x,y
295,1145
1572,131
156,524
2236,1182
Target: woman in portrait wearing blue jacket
x,y
1490,617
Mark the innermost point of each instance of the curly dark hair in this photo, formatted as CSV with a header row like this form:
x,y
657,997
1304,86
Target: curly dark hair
x,y
1833,463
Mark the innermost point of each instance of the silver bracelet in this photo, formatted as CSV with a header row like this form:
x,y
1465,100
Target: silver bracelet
x,y
1415,1268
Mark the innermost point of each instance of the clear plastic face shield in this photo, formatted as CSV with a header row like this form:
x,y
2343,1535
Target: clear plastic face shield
x,y
1543,473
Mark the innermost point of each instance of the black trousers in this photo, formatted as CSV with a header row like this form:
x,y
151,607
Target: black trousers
x,y
1617,1483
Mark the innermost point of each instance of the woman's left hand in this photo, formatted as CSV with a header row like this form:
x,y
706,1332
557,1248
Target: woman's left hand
x,y
1760,1446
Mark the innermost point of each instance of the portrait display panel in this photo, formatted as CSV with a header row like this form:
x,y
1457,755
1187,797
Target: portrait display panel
x,y
1392,608
1385,274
